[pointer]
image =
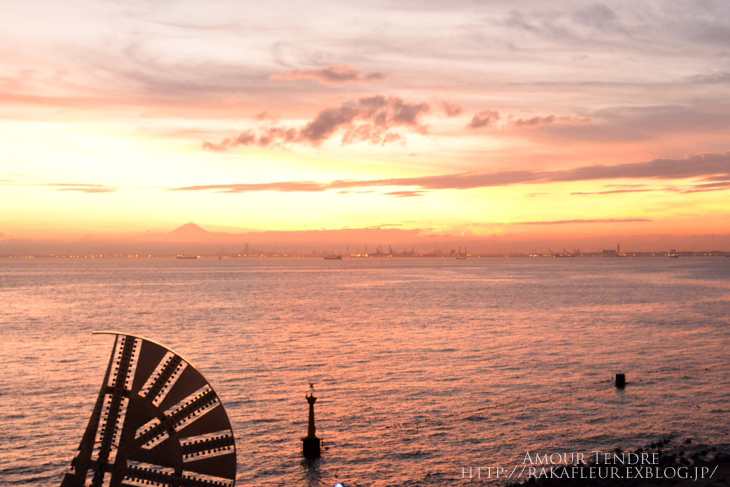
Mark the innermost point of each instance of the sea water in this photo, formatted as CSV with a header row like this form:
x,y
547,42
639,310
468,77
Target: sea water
x,y
423,367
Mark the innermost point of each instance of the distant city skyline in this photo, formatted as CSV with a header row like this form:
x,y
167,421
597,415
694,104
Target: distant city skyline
x,y
190,238
503,123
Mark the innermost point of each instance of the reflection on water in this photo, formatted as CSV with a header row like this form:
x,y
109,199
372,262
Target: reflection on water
x,y
422,366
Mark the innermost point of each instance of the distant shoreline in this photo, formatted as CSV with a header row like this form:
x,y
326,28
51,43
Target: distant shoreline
x,y
293,255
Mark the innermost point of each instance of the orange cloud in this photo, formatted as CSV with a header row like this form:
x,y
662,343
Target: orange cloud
x,y
83,187
598,220
405,194
550,119
451,109
614,191
484,118
335,75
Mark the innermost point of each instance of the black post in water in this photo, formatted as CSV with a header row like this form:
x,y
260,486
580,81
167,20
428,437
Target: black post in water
x,y
310,443
620,381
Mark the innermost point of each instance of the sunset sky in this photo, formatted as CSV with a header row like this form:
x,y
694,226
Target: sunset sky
x,y
472,118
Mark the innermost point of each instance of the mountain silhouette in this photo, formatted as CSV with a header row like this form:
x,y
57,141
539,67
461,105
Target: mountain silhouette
x,y
189,231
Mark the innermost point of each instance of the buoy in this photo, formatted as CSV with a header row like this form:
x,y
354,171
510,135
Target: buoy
x,y
310,443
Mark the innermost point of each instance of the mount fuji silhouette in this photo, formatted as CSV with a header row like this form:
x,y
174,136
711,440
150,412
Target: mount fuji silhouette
x,y
189,231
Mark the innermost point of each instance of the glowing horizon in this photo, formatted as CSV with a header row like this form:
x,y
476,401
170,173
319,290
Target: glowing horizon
x,y
451,118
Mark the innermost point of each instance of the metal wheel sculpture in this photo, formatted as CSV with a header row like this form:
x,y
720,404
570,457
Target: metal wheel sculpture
x,y
157,422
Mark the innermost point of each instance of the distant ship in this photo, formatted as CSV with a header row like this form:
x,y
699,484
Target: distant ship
x,y
333,257
180,256
461,256
673,256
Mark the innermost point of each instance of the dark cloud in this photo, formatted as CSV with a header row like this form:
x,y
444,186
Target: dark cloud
x,y
702,188
670,31
710,78
689,167
539,121
637,124
598,220
534,121
596,15
719,177
519,21
669,119
483,119
146,71
376,114
275,135
338,74
713,32
330,119
709,168
367,119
